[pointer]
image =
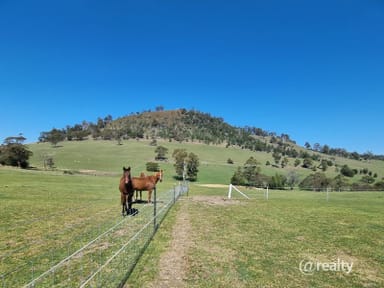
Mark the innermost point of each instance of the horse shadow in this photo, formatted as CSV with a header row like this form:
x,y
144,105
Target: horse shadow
x,y
140,201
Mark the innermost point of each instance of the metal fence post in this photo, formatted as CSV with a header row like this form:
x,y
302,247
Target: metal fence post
x,y
154,210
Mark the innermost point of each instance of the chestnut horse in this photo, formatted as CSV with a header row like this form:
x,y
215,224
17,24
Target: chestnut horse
x,y
142,174
147,183
126,192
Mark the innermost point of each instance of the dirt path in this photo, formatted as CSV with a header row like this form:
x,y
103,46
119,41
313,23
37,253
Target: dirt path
x,y
173,262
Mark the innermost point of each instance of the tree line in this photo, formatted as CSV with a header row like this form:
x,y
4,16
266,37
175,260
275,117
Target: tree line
x,y
250,175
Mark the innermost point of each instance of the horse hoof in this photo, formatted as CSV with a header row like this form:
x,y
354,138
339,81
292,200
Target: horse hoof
x,y
133,211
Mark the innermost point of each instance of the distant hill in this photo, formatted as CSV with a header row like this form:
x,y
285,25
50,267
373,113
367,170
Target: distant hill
x,y
237,155
193,126
186,125
277,153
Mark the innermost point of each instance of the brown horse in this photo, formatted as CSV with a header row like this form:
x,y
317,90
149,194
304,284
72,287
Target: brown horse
x,y
142,174
147,183
126,192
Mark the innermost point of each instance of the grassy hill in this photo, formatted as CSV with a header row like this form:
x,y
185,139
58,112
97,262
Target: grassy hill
x,y
108,157
131,140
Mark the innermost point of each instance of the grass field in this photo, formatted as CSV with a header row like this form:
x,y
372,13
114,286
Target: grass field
x,y
47,216
232,243
43,216
107,156
259,243
205,240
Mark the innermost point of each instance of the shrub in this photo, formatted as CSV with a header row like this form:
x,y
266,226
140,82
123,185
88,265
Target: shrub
x,y
152,166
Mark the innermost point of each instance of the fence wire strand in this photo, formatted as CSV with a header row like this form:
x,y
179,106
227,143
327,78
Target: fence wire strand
x,y
105,260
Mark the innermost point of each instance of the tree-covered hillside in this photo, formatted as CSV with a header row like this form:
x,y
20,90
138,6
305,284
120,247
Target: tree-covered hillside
x,y
190,125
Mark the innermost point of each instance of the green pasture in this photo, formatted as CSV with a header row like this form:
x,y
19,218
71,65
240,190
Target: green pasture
x,y
43,215
109,157
46,215
260,243
250,243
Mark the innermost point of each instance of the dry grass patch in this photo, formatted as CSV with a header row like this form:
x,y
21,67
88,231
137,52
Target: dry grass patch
x,y
173,262
214,200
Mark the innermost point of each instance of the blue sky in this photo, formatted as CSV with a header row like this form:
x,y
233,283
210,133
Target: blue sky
x,y
310,69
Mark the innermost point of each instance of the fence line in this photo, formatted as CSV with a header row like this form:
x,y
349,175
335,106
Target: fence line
x,y
157,218
122,248
312,188
105,261
73,254
253,192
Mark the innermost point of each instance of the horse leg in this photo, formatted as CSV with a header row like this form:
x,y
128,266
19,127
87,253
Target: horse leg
x,y
123,204
129,207
149,195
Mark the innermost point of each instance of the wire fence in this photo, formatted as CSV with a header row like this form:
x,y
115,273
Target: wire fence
x,y
265,192
103,257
